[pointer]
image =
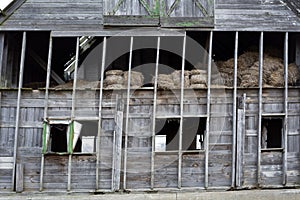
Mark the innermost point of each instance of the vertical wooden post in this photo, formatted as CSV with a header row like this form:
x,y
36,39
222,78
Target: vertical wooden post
x,y
46,107
208,109
154,113
22,63
127,113
261,43
181,111
240,140
118,149
234,115
100,112
20,178
73,111
286,96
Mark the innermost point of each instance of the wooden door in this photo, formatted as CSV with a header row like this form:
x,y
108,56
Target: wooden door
x,y
165,13
131,12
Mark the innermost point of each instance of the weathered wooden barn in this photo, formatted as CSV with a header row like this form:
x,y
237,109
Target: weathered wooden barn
x,y
141,95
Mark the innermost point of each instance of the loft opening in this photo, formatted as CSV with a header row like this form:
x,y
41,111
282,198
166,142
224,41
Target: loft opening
x,y
59,134
272,132
167,134
193,133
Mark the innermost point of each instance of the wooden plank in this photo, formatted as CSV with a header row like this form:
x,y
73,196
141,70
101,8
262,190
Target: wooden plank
x,y
20,178
240,131
190,22
129,20
118,151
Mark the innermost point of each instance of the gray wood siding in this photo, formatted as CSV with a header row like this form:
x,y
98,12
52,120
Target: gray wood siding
x,y
140,144
57,15
81,15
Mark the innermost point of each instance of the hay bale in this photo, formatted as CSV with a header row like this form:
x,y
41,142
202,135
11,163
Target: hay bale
x,y
276,79
136,79
164,81
176,77
197,71
114,72
293,75
199,79
113,79
247,59
114,86
195,86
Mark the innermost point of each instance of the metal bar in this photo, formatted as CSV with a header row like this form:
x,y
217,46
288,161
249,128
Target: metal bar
x,y
261,43
22,63
154,113
100,111
46,107
286,96
2,40
181,111
73,112
208,108
127,113
234,116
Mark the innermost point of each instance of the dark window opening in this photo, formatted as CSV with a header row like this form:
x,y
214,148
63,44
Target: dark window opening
x,y
58,134
167,134
271,134
59,141
193,133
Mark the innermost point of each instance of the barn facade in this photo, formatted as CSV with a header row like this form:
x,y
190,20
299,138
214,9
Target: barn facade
x,y
134,95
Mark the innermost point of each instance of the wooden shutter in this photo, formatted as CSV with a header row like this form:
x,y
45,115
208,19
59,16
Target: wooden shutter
x,y
165,13
187,13
131,12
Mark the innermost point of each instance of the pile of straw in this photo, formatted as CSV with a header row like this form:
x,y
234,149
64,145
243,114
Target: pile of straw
x,y
164,81
176,77
248,71
114,79
293,75
136,79
198,78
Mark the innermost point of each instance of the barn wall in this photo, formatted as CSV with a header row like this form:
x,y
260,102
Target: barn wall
x,y
139,145
79,16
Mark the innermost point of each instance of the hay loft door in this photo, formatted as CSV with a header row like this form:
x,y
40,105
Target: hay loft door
x,y
131,13
187,13
165,13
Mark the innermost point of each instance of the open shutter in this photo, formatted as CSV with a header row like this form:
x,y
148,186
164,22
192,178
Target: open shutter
x,y
131,12
187,13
